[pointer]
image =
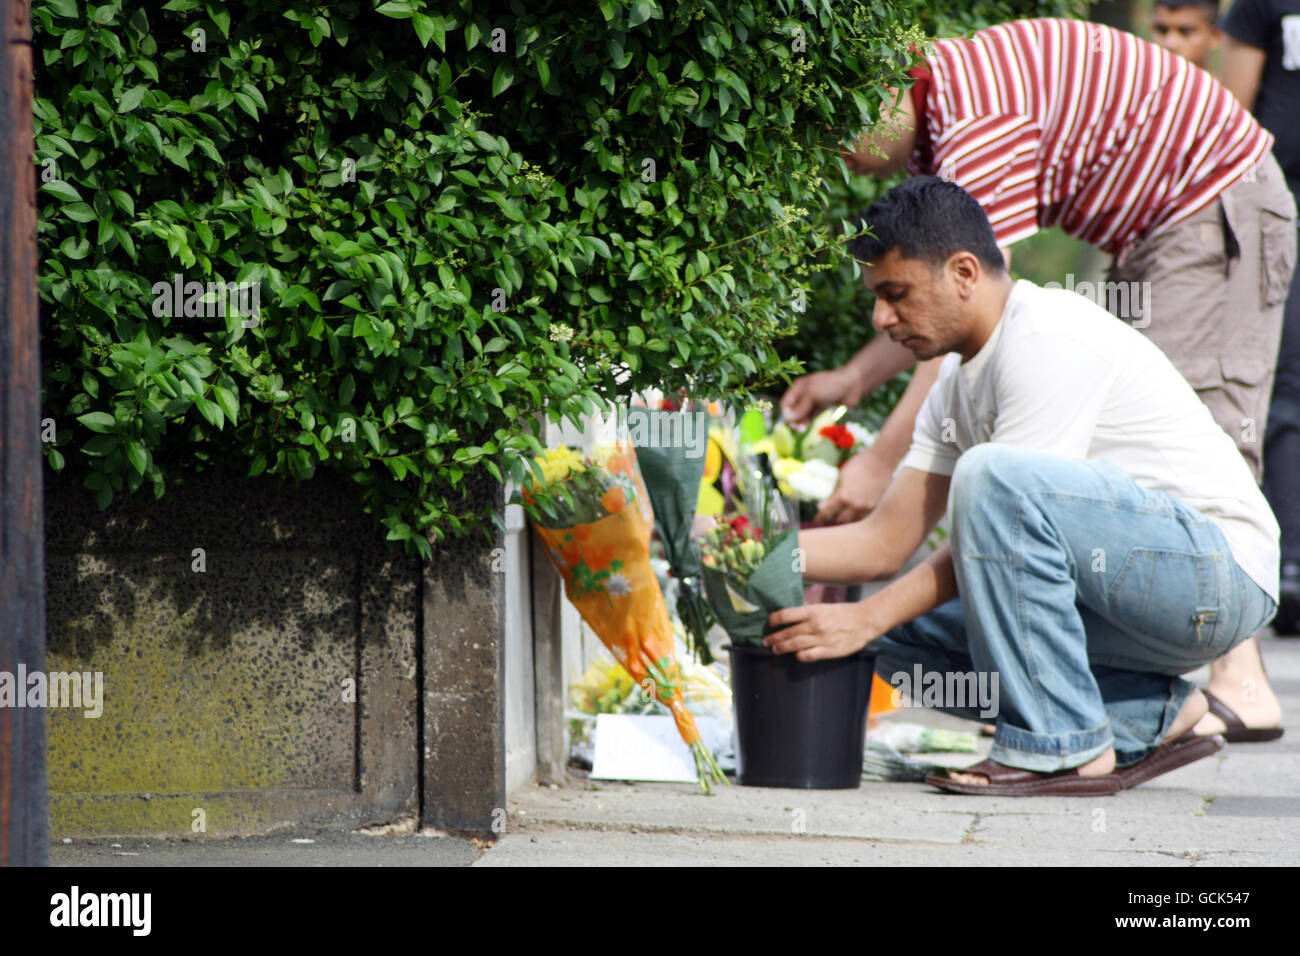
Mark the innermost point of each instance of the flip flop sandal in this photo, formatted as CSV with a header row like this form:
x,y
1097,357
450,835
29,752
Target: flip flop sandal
x,y
1170,756
1238,732
1007,781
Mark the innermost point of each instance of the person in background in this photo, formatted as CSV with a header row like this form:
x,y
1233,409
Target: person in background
x,y
1260,65
1190,30
1187,28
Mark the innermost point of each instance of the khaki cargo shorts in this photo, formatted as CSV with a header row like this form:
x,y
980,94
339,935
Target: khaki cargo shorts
x,y
1210,291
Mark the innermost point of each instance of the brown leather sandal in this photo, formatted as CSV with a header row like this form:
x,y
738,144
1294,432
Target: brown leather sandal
x,y
1237,732
1170,756
1007,781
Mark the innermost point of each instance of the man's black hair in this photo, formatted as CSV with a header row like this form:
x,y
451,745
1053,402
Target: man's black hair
x,y
1209,7
930,219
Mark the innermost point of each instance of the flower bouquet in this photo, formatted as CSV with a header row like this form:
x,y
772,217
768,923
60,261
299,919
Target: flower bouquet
x,y
674,476
594,515
749,563
806,462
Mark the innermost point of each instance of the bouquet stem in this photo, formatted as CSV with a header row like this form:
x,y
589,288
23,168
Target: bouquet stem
x,y
706,768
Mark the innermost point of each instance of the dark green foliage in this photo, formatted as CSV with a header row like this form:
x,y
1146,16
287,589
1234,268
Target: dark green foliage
x,y
454,230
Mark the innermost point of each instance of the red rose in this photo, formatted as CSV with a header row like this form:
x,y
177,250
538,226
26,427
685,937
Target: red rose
x,y
841,436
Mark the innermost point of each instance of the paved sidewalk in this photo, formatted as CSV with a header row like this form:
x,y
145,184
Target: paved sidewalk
x,y
399,845
1239,808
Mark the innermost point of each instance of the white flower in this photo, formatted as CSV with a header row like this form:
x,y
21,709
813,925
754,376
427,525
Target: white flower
x,y
860,435
815,481
618,585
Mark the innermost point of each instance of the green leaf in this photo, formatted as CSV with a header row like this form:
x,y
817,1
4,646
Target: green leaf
x,y
131,99
502,78
642,10
425,27
98,421
79,212
123,200
220,17
245,102
643,92
228,402
210,410
61,190
136,454
400,9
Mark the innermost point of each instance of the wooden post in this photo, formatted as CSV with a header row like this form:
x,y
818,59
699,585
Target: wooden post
x,y
24,825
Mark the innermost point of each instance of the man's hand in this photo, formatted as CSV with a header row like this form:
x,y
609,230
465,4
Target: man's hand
x,y
809,394
862,484
818,632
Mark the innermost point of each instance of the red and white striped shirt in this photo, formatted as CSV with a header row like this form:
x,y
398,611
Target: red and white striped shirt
x,y
1073,124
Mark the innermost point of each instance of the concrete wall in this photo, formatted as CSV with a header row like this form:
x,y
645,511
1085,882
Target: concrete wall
x,y
463,695
270,678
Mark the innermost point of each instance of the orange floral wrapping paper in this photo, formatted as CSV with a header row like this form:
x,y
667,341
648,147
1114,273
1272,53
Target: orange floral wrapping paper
x,y
607,576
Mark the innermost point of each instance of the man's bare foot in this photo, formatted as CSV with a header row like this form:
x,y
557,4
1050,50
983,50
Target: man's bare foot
x,y
1194,709
1237,678
1096,767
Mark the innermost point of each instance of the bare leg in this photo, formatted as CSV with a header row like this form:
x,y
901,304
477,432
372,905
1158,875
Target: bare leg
x,y
1237,678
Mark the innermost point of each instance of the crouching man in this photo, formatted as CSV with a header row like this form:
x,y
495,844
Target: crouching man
x,y
1106,534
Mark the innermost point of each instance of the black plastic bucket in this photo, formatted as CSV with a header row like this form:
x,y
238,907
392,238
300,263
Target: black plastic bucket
x,y
799,725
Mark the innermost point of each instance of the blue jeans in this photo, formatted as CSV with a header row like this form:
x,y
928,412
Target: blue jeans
x,y
1086,595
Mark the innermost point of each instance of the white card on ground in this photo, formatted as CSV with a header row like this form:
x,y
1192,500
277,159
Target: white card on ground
x,y
641,747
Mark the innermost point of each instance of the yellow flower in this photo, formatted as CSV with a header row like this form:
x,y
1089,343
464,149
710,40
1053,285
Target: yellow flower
x,y
783,468
558,462
601,452
783,439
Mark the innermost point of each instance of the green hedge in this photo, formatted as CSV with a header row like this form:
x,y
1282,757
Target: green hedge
x,y
457,215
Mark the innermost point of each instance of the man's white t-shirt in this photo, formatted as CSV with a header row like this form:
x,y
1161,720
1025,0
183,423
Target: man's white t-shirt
x,y
1060,374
